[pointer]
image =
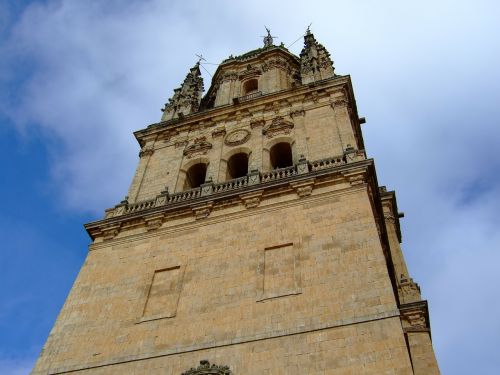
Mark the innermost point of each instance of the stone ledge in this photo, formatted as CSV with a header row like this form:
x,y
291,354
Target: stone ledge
x,y
362,169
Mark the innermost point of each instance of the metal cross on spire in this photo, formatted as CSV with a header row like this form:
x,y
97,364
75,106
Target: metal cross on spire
x,y
268,39
200,58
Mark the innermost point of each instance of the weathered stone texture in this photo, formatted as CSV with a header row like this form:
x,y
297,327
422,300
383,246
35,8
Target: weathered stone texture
x,y
343,279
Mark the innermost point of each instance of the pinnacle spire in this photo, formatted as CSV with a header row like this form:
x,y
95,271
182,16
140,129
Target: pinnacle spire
x,y
315,61
187,98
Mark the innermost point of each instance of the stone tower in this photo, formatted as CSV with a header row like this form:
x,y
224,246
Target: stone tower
x,y
255,239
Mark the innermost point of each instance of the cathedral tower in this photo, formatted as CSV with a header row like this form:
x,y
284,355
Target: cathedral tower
x,y
255,239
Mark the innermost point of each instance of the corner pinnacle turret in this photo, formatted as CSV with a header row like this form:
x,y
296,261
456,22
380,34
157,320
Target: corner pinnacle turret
x,y
315,62
187,98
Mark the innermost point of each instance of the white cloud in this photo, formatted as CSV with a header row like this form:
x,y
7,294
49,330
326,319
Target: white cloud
x,y
425,74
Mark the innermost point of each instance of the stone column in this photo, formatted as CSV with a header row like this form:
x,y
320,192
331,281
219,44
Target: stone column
x,y
256,159
214,166
300,148
343,124
144,155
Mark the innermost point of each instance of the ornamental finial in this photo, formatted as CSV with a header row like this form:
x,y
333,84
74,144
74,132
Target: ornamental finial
x,y
268,39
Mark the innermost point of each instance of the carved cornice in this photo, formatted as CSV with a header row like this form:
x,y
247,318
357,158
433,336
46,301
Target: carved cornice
x,y
147,150
326,87
415,317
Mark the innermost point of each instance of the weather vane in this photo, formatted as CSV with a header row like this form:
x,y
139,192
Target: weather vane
x,y
268,39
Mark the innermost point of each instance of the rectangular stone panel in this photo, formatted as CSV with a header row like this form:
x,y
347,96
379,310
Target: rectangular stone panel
x,y
280,274
163,294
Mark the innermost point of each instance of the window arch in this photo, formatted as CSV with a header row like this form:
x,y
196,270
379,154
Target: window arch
x,y
237,166
251,86
195,176
281,155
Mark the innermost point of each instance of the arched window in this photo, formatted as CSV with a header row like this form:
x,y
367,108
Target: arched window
x,y
250,86
195,176
237,166
281,155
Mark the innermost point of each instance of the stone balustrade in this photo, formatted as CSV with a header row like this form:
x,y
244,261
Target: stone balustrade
x,y
252,178
327,163
279,173
233,184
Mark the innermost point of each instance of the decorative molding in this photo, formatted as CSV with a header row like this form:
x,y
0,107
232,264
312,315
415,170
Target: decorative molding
x,y
303,188
237,137
147,150
154,221
202,211
277,126
252,199
408,290
199,147
355,177
110,231
205,368
340,102
415,317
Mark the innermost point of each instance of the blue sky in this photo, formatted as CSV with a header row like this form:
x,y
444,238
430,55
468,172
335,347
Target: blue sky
x,y
77,77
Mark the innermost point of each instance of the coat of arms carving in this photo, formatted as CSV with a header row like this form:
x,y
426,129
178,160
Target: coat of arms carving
x,y
205,368
199,147
278,126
